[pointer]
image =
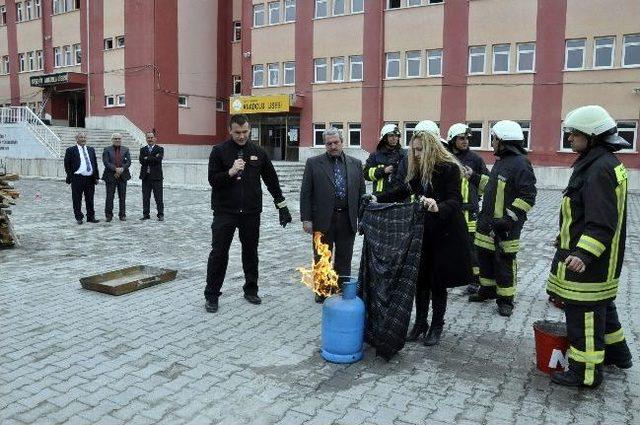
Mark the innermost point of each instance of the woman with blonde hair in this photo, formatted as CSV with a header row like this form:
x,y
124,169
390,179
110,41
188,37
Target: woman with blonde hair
x,y
433,176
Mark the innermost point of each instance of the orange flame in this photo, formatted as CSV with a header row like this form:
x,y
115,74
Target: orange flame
x,y
321,278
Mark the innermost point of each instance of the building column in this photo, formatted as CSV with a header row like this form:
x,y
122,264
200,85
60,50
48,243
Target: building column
x,y
224,80
93,55
304,69
247,25
373,65
12,40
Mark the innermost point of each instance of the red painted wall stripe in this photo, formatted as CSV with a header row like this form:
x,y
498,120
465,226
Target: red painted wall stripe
x,y
453,102
95,67
47,40
247,24
84,35
224,83
304,69
373,64
12,40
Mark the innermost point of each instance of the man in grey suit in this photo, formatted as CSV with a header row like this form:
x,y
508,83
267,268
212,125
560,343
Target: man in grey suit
x,y
332,186
116,160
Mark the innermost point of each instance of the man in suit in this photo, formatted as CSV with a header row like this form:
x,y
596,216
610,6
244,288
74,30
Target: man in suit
x,y
332,186
151,176
81,167
116,160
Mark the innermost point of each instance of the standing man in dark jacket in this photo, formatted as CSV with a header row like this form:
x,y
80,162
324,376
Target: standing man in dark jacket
x,y
235,169
116,160
508,197
383,163
81,167
474,180
332,186
590,248
151,175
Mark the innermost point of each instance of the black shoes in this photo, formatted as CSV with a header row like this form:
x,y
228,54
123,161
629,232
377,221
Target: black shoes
x,y
433,336
108,218
626,364
505,310
79,221
472,289
93,220
161,218
418,330
571,379
211,306
123,218
145,217
320,299
253,299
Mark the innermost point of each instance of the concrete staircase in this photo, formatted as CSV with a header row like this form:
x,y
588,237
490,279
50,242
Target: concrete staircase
x,y
98,139
290,175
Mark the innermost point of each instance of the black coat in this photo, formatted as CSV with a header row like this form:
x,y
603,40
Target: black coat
x,y
151,162
109,161
376,163
72,162
445,244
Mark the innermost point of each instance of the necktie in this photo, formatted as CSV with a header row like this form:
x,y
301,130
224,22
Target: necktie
x,y
339,179
86,160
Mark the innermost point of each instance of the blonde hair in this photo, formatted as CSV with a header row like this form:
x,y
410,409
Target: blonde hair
x,y
433,153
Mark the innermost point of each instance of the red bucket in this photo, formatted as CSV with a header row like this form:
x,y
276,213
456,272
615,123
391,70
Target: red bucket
x,y
551,345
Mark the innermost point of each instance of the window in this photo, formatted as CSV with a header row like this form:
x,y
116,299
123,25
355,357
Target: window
x,y
317,134
289,10
393,4
434,63
289,73
414,62
237,31
28,8
68,58
337,66
574,54
19,12
183,101
603,48
274,74
31,61
109,101
338,7
274,12
258,15
476,59
356,71
62,6
120,41
5,64
357,6
258,75
631,50
501,58
321,9
337,125
526,130
526,57
39,60
409,128
57,57
3,15
58,6
108,43
21,62
475,141
237,84
393,65
219,105
77,53
436,1
320,70
120,100
37,9
354,134
628,130
414,3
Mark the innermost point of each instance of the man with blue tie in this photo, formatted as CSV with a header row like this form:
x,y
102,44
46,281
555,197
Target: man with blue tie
x,y
83,175
151,176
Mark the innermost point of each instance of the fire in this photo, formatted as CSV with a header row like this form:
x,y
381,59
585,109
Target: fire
x,y
321,278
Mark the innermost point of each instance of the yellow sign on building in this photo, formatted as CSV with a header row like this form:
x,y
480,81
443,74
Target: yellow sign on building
x,y
259,104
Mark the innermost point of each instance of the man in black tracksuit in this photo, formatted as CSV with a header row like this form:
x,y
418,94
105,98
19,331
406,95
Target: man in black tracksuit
x,y
508,196
235,169
382,165
590,248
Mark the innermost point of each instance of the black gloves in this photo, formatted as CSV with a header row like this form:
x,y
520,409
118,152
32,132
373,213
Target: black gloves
x,y
285,216
502,226
367,198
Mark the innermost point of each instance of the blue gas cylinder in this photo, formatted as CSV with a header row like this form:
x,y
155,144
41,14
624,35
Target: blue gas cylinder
x,y
343,325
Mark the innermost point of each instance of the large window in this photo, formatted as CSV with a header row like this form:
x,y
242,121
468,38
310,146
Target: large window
x,y
603,48
317,134
274,12
393,65
338,7
337,66
631,50
320,70
274,74
258,75
356,70
289,73
574,54
526,57
434,63
501,58
258,15
289,10
321,9
354,134
475,141
357,6
477,59
413,63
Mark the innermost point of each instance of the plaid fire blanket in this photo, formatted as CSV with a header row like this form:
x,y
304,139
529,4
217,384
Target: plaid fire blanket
x,y
388,272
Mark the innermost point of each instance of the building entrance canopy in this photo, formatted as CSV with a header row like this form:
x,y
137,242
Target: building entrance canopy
x,y
60,80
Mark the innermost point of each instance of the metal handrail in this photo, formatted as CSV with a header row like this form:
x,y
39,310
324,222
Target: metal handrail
x,y
23,114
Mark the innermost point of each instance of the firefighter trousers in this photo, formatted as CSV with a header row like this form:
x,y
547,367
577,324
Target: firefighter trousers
x,y
498,275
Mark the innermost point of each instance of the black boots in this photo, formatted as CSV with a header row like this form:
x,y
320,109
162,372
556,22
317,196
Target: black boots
x,y
505,310
433,337
419,329
572,379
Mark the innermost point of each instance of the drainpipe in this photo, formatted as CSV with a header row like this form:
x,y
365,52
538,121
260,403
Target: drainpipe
x,y
88,56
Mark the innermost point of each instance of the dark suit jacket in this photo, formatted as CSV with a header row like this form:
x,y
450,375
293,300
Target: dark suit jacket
x,y
109,161
72,162
317,195
151,163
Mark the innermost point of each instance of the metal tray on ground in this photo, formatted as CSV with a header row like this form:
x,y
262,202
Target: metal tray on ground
x,y
127,280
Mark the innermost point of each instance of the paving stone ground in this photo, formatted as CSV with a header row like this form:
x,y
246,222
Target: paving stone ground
x,y
69,355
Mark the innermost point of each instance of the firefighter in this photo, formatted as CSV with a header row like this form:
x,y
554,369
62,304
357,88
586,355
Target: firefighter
x,y
590,248
473,182
383,163
508,196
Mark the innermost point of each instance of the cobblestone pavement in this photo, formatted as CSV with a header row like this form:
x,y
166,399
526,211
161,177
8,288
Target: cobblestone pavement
x,y
154,356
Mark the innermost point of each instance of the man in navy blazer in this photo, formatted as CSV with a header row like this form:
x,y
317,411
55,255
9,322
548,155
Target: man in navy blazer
x,y
116,160
151,175
83,175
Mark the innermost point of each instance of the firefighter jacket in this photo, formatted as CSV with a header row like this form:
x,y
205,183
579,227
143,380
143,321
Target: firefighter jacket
x,y
593,218
377,161
243,195
473,186
508,196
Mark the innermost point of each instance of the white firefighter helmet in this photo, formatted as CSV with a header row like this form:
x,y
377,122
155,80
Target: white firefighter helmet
x,y
594,120
457,130
428,126
387,129
506,130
